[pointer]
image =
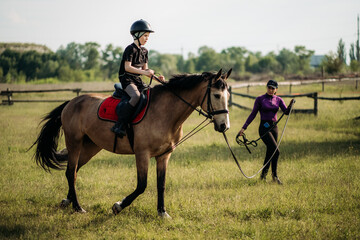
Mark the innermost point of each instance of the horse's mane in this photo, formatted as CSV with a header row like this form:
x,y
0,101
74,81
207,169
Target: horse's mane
x,y
182,82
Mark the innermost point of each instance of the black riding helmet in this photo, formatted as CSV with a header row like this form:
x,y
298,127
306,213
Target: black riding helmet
x,y
140,26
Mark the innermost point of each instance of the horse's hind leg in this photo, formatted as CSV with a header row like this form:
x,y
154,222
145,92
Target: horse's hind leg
x,y
142,165
79,154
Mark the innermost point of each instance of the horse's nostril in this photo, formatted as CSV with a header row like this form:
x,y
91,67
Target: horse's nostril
x,y
222,127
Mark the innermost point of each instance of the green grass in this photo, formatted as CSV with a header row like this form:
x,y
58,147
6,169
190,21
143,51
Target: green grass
x,y
206,195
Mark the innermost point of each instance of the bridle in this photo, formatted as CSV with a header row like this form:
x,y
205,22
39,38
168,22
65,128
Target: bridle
x,y
208,114
210,109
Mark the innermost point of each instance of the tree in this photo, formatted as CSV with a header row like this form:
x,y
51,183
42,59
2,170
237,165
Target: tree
x,y
234,57
288,61
352,55
71,54
269,64
30,63
341,51
9,60
304,57
252,62
332,63
111,58
90,55
208,60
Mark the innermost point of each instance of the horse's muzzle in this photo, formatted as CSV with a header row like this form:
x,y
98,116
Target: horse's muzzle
x,y
221,128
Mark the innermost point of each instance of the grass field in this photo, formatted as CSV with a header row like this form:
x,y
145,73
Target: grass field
x,y
206,195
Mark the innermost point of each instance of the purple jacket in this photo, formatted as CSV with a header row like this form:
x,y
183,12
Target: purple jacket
x,y
268,107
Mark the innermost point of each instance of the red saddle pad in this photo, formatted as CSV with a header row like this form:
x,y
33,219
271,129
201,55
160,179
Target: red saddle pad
x,y
108,106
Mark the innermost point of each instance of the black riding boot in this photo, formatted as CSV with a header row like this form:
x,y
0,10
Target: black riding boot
x,y
276,179
125,113
263,175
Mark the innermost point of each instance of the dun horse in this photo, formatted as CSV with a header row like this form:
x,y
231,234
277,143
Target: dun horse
x,y
85,134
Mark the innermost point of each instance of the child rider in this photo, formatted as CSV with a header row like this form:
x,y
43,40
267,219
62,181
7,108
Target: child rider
x,y
134,63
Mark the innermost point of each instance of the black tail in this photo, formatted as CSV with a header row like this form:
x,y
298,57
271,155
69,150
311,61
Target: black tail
x,y
47,141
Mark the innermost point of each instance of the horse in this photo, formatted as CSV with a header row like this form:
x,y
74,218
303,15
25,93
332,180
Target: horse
x,y
85,134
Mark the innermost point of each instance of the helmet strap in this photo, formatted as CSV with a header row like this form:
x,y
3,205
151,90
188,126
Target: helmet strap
x,y
137,36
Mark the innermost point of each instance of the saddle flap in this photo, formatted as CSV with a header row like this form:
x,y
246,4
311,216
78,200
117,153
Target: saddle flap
x,y
119,92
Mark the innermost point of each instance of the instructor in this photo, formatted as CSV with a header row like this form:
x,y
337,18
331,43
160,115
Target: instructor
x,y
268,106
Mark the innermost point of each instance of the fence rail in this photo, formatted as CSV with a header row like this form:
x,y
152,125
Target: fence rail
x,y
10,101
297,83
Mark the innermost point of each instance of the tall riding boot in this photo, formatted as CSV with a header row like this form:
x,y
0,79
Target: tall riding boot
x,y
125,113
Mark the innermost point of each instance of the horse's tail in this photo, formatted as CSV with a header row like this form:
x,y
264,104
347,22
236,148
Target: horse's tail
x,y
47,141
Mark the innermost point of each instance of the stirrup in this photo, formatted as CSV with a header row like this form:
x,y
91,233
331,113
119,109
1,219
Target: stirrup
x,y
119,129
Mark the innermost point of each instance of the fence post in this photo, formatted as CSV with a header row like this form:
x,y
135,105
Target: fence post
x,y
9,95
248,89
315,95
77,90
323,86
356,85
290,85
231,96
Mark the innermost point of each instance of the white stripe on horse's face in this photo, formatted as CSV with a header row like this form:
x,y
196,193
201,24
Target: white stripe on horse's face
x,y
219,101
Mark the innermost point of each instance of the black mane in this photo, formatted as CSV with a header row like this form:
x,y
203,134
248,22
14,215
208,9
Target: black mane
x,y
182,82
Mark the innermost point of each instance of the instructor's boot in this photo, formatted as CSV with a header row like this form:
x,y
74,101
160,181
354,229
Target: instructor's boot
x,y
276,179
263,176
125,113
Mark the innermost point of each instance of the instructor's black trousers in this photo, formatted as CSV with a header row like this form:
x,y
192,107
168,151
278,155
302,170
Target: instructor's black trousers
x,y
270,140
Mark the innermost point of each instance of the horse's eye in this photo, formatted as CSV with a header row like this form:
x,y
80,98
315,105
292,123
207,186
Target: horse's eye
x,y
217,96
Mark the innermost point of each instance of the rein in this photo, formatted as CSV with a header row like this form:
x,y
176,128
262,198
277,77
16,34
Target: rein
x,y
255,142
209,114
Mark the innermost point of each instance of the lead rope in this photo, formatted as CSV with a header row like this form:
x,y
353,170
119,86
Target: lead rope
x,y
277,147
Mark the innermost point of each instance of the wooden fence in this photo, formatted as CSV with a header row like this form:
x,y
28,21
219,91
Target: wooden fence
x,y
10,101
290,84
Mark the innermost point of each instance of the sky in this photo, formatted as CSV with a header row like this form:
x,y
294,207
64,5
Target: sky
x,y
183,26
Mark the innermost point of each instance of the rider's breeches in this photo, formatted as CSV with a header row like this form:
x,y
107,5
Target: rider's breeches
x,y
134,94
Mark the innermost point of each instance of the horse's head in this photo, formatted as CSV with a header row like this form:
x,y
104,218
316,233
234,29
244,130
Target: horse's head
x,y
216,102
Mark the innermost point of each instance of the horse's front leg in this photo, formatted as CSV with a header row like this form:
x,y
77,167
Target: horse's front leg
x,y
161,166
142,165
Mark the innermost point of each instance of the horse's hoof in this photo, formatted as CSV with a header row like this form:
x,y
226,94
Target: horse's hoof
x,y
164,215
65,203
117,208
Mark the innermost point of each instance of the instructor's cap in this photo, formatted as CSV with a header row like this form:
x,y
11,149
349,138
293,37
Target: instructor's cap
x,y
272,83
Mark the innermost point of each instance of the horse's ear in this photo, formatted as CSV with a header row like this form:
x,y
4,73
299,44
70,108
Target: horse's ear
x,y
228,73
218,75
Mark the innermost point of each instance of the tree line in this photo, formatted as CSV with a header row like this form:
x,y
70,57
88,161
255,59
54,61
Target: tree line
x,y
89,62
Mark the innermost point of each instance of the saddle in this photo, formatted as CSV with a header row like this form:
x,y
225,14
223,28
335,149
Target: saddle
x,y
107,108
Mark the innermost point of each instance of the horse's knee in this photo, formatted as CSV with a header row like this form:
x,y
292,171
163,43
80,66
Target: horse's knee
x,y
140,189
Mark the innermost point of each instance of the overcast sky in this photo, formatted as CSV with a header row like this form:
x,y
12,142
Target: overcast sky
x,y
183,26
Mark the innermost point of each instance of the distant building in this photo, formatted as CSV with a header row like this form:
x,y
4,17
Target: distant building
x,y
316,60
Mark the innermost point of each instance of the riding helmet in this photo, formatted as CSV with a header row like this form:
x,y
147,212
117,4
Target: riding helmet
x,y
140,26
272,83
